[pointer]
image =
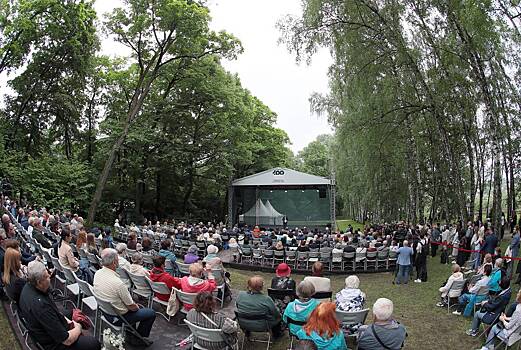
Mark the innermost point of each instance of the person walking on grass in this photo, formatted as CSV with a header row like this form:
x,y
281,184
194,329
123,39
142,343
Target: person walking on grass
x,y
404,263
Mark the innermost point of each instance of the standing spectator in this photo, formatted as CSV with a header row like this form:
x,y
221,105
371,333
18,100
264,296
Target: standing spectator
x,y
404,263
491,242
108,286
421,259
254,302
514,250
323,328
384,332
435,239
45,323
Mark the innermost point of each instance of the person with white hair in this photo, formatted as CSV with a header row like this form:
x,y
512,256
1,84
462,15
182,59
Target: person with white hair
x,y
121,248
46,324
350,299
385,332
109,287
212,251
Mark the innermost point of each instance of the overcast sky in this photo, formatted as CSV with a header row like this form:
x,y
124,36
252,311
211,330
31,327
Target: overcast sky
x,y
265,68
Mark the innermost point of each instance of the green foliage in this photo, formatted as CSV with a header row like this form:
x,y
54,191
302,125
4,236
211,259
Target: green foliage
x,y
315,158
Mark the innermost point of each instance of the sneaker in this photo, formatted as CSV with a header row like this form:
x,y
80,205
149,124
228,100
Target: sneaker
x,y
440,304
471,332
418,281
456,312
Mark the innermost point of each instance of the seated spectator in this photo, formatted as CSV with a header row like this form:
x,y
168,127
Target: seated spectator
x,y
384,332
13,276
108,286
467,300
506,327
337,249
158,274
487,260
191,256
168,254
38,235
132,241
136,267
349,249
282,280
444,290
495,277
212,252
301,308
67,258
323,328
204,315
195,282
91,244
279,247
351,298
81,241
121,248
45,323
491,309
146,245
321,284
253,302
303,247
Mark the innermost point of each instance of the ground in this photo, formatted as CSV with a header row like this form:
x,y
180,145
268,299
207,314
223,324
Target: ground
x,y
342,224
427,326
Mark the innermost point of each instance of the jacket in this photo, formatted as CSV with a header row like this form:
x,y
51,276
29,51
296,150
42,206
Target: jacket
x,y
495,306
159,275
512,325
299,311
336,342
191,284
257,303
458,276
169,256
490,245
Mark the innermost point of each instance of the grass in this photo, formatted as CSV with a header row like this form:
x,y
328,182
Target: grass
x,y
342,224
8,338
414,306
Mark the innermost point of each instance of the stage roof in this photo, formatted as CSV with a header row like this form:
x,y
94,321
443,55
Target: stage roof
x,y
281,177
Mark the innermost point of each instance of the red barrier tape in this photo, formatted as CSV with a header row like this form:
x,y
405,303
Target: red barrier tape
x,y
469,250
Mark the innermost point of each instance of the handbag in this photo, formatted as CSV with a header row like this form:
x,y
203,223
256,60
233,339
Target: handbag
x,y
81,318
173,304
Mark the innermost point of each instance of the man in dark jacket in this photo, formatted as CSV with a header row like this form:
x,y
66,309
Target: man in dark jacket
x,y
491,309
491,242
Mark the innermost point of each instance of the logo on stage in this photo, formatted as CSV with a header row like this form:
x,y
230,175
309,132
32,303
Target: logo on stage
x,y
278,172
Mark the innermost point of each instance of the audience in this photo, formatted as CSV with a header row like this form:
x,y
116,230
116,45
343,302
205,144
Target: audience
x,y
50,328
13,276
301,308
467,300
204,315
506,327
168,255
191,255
212,252
491,309
323,328
444,290
384,332
67,258
136,267
123,263
158,274
321,284
253,302
109,287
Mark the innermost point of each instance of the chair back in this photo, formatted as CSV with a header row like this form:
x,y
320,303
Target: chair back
x,y
241,317
70,276
140,282
351,317
268,253
337,257
281,294
360,255
325,255
123,274
257,253
158,287
183,268
457,286
56,263
278,253
371,255
106,307
185,298
291,254
302,255
291,321
393,255
205,334
147,260
349,255
93,259
86,289
82,253
483,290
312,255
382,254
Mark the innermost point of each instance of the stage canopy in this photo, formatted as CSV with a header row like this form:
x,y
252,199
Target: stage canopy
x,y
270,197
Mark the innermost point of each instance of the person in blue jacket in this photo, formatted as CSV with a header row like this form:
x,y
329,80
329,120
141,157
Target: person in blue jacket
x,y
301,308
168,255
323,328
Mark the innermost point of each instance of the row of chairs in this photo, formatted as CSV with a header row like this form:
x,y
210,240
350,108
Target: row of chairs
x,y
343,261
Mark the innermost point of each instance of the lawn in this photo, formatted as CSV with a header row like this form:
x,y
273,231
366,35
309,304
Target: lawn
x,y
414,306
8,339
342,224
